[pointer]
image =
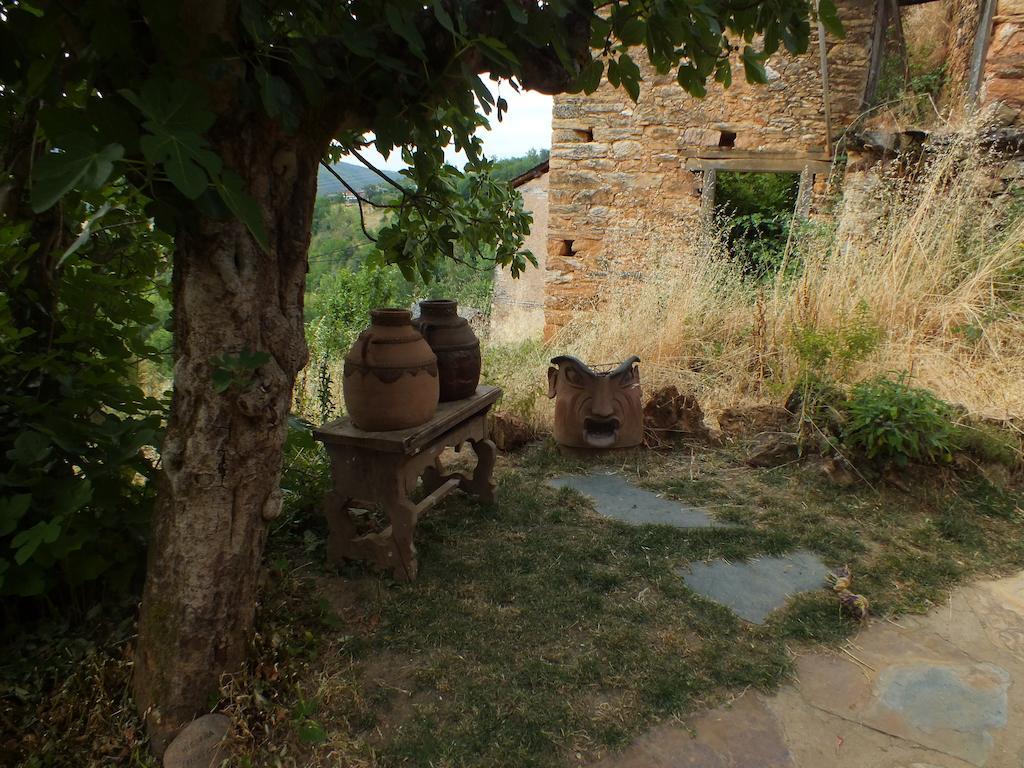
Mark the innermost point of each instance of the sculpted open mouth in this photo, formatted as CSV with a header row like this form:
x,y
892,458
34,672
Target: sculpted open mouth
x,y
600,433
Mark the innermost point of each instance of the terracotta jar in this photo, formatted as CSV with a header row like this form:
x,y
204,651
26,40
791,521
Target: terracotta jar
x,y
456,346
390,374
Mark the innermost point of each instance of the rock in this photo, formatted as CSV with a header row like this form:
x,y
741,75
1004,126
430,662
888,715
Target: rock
x,y
510,433
670,412
203,743
770,449
758,418
837,471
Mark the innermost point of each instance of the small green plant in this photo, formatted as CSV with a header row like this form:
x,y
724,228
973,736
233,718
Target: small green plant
x,y
305,475
834,351
892,423
826,355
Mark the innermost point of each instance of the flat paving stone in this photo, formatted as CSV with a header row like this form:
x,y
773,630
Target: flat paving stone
x,y
743,734
918,687
753,589
616,498
941,690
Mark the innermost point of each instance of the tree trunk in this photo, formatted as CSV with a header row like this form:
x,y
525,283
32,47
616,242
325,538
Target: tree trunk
x,y
221,458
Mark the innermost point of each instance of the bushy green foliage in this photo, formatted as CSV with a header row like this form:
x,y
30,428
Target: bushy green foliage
x,y
74,501
893,423
306,474
508,168
758,209
342,304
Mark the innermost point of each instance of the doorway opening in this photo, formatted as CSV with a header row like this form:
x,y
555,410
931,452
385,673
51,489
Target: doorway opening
x,y
757,210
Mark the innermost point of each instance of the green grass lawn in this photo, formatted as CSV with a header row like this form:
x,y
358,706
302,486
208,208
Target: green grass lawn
x,y
538,633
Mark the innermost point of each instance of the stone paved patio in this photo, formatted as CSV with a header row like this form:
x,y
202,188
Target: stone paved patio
x,y
944,690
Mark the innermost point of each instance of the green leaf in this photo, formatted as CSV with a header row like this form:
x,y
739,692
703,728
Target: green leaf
x,y
12,509
829,17
691,81
275,94
28,541
232,191
516,12
753,65
77,162
222,380
175,106
443,17
30,447
590,77
180,156
632,32
85,234
404,25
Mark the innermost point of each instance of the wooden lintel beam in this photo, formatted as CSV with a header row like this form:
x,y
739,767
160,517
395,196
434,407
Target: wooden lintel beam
x,y
714,153
758,165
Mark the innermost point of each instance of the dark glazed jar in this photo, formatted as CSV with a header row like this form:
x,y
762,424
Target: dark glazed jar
x,y
390,375
456,346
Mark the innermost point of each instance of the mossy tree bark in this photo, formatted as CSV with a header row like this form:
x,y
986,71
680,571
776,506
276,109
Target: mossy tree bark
x,y
221,458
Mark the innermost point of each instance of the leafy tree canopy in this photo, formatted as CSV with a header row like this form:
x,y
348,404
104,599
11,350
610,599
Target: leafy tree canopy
x,y
145,89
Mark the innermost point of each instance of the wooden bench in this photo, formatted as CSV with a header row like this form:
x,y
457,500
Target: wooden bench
x,y
381,469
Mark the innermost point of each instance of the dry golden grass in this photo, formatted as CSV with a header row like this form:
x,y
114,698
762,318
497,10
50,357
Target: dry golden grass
x,y
938,270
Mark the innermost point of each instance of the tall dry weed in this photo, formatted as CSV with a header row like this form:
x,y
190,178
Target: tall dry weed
x,y
929,254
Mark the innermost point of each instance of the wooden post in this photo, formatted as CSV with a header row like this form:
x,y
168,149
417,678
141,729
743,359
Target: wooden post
x,y
980,49
877,53
707,194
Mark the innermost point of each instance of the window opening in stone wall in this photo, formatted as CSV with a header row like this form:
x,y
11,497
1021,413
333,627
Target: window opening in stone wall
x,y
913,66
727,139
584,134
565,250
756,211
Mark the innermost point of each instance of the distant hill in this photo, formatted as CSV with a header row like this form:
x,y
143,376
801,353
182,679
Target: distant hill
x,y
358,176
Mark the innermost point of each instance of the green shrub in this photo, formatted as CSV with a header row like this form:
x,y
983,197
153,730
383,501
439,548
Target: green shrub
x,y
305,477
74,496
892,423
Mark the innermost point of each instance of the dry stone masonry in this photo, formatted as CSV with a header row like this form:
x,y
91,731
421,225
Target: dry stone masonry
x,y
629,181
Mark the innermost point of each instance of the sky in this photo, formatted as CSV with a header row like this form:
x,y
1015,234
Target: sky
x,y
526,126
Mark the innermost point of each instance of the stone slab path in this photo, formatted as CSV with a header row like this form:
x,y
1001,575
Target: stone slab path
x,y
752,590
615,497
944,690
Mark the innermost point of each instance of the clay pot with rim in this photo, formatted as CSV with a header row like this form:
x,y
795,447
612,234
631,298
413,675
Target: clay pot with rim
x,y
391,379
456,346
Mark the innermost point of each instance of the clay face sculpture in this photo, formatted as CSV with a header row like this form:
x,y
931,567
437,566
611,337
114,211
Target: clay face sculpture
x,y
596,410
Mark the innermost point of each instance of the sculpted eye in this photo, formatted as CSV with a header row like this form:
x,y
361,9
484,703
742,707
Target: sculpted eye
x,y
626,378
573,376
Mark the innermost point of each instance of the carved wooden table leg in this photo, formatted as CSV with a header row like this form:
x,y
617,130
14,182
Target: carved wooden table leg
x,y
434,476
403,525
340,528
482,483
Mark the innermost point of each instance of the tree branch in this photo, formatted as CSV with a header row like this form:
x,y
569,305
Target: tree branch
x,y
357,196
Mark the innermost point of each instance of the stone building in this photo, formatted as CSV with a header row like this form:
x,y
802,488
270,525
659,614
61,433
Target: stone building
x,y
517,306
627,176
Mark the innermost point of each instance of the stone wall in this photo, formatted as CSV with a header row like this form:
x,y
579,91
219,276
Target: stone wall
x,y
517,305
1003,76
963,29
627,179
